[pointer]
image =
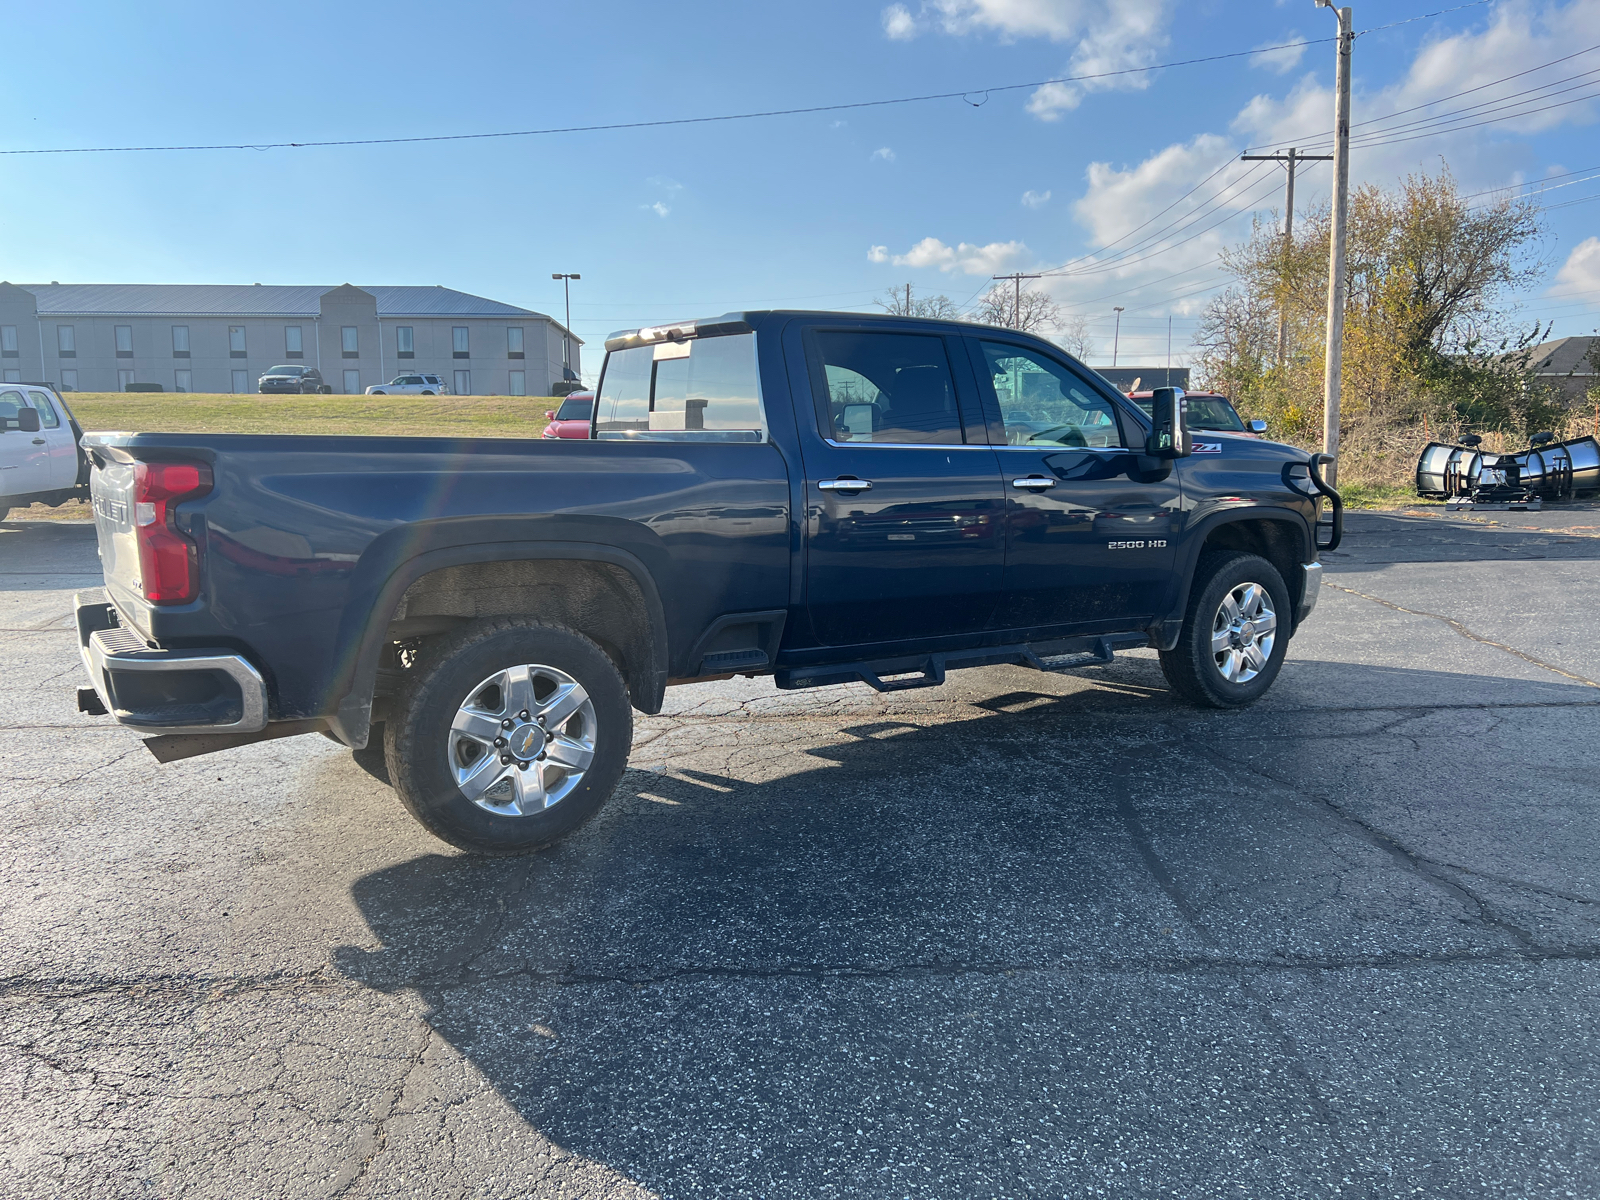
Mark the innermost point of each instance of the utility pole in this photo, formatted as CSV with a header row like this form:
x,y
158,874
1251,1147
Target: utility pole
x,y
1290,160
566,340
1116,336
908,299
1016,304
1169,351
1334,361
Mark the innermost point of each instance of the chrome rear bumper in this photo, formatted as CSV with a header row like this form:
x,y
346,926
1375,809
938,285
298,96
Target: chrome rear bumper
x,y
167,691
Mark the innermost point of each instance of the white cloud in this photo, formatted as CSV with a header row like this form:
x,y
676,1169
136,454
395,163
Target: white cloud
x,y
965,257
1520,36
1281,60
1111,35
1118,201
898,22
660,209
1580,274
884,153
1033,199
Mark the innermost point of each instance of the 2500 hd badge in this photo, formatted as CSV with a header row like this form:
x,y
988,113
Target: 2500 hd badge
x,y
1151,544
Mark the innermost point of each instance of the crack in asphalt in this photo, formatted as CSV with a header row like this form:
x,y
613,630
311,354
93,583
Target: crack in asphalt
x,y
1466,633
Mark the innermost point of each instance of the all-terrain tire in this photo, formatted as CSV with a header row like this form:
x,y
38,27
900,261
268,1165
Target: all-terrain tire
x,y
424,750
1192,666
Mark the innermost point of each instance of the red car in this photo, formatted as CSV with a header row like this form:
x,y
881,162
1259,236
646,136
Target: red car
x,y
571,420
1210,411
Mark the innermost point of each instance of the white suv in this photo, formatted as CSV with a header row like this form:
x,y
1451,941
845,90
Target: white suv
x,y
410,385
39,457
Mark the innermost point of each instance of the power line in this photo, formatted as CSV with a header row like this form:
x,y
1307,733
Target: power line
x,y
985,92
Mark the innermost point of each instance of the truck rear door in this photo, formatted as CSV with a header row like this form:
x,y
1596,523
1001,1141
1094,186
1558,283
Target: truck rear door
x,y
904,509
1090,544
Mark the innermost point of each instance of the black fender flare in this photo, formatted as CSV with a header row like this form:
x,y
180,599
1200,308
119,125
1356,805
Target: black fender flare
x,y
351,720
1195,537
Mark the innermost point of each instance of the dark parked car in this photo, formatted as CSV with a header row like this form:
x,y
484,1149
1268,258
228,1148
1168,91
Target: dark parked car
x,y
293,379
822,497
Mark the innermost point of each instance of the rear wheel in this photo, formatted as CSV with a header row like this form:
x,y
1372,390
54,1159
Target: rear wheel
x,y
425,392
3,513
1235,632
510,736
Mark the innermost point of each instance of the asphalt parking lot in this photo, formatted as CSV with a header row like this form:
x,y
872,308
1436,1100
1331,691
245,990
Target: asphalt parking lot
x,y
1024,935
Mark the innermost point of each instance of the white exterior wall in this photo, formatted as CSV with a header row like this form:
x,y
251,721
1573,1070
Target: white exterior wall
x,y
211,364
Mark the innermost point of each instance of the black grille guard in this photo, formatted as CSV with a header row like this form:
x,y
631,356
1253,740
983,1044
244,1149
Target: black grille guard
x,y
1334,523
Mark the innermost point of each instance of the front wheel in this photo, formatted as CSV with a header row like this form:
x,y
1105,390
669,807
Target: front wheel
x,y
1235,633
510,736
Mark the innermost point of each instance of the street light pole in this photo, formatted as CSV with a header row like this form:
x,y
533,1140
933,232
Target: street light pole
x,y
1333,362
566,339
1116,336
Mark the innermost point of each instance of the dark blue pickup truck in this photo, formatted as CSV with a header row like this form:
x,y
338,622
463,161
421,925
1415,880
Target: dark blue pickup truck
x,y
820,497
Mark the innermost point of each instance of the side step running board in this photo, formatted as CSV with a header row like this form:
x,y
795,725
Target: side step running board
x,y
902,674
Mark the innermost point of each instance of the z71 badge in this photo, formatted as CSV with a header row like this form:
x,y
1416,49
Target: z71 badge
x,y
1206,448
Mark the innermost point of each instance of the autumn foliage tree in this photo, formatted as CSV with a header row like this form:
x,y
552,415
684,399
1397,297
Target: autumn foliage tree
x,y
1428,334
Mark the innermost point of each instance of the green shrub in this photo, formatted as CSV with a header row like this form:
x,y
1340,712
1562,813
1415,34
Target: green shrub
x,y
144,387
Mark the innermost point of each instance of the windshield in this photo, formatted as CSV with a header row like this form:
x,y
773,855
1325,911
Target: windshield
x,y
1205,412
286,371
575,408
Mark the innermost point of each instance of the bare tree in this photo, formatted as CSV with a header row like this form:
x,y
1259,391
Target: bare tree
x,y
900,302
1072,335
1033,312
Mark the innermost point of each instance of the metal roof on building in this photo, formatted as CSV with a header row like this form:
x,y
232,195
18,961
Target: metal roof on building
x,y
253,300
1564,356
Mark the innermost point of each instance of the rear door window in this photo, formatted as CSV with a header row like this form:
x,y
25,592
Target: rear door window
x,y
891,388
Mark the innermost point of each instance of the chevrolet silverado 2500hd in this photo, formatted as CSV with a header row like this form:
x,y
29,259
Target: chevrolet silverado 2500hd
x,y
819,497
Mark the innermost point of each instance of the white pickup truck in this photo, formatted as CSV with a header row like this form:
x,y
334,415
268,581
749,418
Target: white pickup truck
x,y
39,457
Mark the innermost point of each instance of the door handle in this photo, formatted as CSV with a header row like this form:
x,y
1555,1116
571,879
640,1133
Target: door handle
x,y
38,441
844,485
1033,483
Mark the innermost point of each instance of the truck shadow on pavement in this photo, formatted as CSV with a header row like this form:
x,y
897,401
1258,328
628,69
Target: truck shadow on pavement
x,y
996,954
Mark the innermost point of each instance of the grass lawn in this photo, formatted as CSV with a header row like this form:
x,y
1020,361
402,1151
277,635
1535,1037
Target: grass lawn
x,y
395,416
398,416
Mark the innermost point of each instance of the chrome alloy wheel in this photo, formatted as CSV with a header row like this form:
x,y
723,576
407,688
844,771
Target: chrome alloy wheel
x,y
522,740
1243,631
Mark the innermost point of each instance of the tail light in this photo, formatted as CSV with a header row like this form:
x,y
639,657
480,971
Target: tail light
x,y
168,560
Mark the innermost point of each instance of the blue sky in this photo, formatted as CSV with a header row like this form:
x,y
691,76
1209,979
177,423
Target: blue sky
x,y
823,210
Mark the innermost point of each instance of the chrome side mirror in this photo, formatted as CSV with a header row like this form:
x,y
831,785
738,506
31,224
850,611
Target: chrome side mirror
x,y
1257,425
1169,424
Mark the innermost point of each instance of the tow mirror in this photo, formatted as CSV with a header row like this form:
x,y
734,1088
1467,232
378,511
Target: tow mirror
x,y
1257,425
1169,424
27,420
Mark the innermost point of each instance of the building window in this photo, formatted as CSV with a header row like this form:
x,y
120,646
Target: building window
x,y
180,341
519,383
405,346
124,341
182,381
352,383
349,342
458,343
236,343
8,341
463,383
514,342
66,341
13,375
124,378
241,382
69,381
293,346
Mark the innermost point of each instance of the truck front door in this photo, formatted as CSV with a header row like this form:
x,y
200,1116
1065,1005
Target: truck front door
x,y
24,457
1089,541
904,510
